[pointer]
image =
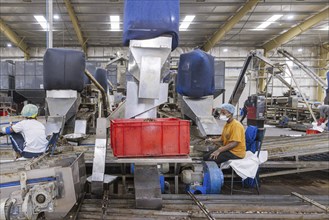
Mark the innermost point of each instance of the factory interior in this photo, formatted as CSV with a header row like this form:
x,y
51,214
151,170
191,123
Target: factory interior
x,y
164,109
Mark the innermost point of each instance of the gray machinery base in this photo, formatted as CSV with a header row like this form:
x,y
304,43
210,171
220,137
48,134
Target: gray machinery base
x,y
147,187
200,111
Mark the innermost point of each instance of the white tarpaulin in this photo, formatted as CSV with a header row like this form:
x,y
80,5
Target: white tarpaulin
x,y
248,166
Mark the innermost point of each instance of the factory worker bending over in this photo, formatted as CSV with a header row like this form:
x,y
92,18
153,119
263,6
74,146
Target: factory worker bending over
x,y
324,115
28,136
232,141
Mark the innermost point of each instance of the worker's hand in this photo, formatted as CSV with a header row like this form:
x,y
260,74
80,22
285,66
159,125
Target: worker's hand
x,y
215,154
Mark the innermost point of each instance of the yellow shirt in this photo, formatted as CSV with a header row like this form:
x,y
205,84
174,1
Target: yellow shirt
x,y
234,131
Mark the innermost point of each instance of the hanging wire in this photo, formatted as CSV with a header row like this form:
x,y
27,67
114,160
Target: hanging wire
x,y
252,12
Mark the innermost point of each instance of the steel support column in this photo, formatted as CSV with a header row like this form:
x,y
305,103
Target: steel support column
x,y
323,68
297,30
261,75
76,25
15,39
220,33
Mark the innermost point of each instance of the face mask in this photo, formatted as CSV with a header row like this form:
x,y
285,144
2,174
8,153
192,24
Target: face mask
x,y
223,118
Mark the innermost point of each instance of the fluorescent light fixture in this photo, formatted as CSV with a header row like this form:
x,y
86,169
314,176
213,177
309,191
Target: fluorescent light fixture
x,y
225,50
325,28
56,17
186,22
268,22
115,22
290,17
42,21
9,45
300,50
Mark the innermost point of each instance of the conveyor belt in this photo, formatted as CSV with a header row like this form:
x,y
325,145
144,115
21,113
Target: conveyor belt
x,y
281,147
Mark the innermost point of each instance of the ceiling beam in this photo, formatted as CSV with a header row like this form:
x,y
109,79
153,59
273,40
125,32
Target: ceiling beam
x,y
76,25
187,3
323,68
120,12
220,33
297,30
15,39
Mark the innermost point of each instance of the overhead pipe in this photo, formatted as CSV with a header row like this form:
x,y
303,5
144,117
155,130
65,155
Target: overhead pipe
x,y
297,30
223,30
101,89
15,39
76,25
50,24
323,70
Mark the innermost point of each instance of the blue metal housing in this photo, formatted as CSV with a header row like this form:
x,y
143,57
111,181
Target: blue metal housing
x,y
213,180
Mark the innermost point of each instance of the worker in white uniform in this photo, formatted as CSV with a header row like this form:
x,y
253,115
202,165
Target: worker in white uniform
x,y
28,136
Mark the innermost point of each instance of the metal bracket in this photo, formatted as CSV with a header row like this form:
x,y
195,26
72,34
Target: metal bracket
x,y
23,179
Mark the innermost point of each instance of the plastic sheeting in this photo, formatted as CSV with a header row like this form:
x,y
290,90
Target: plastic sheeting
x,y
196,74
63,69
146,19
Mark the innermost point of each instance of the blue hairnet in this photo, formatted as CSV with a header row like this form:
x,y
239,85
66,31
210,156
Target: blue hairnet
x,y
228,107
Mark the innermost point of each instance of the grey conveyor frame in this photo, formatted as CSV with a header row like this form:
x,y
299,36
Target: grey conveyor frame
x,y
305,68
240,84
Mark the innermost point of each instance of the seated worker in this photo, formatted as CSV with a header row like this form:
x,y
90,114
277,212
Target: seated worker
x,y
28,136
232,141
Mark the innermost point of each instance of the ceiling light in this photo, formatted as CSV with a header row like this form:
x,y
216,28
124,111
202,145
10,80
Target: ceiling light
x,y
115,22
225,50
9,45
300,50
290,17
56,17
186,22
268,22
42,21
325,28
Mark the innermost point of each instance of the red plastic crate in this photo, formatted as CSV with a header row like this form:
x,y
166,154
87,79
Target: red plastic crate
x,y
143,138
3,113
311,131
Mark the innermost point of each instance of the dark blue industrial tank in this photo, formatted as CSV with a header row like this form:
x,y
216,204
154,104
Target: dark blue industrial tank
x,y
101,77
196,74
146,19
63,69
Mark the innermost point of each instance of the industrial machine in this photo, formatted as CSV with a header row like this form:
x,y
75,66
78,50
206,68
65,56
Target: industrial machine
x,y
256,111
200,80
145,91
205,178
49,185
276,70
63,82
